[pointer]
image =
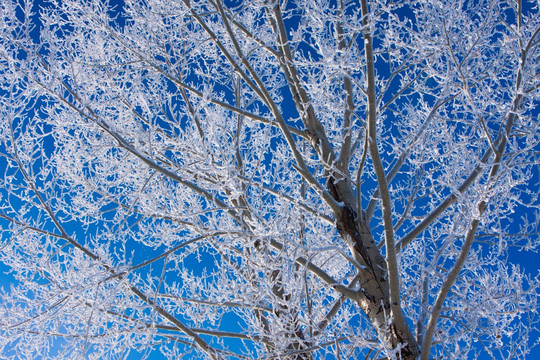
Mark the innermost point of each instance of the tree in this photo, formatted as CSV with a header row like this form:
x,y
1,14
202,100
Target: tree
x,y
269,179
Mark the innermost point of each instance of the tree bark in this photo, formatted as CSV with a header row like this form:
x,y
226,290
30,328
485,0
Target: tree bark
x,y
373,295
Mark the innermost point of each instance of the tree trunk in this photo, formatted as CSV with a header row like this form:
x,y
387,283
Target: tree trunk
x,y
373,295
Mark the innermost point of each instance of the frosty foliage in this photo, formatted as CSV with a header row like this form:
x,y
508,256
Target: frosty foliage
x,y
269,179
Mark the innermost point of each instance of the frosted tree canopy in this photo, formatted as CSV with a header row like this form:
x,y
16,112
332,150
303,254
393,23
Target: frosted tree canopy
x,y
269,179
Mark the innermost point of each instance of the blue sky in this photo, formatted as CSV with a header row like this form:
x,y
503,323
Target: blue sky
x,y
130,251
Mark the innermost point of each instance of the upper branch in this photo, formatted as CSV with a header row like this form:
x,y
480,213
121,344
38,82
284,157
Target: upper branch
x,y
401,327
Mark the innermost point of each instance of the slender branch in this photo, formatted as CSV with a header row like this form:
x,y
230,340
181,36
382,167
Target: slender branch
x,y
465,88
447,285
344,156
212,352
401,327
260,88
291,200
200,94
315,130
404,155
163,255
351,294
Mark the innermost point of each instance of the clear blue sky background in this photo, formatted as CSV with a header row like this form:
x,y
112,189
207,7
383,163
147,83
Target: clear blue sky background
x,y
530,261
